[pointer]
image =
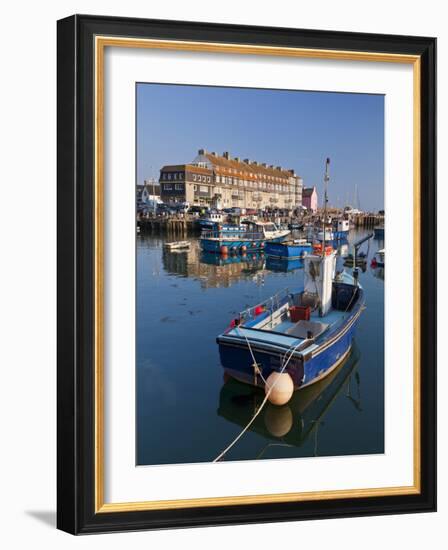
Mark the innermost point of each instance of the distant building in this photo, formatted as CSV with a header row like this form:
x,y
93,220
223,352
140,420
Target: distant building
x,y
223,182
309,198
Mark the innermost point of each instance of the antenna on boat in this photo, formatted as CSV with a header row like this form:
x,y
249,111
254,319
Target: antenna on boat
x,y
326,180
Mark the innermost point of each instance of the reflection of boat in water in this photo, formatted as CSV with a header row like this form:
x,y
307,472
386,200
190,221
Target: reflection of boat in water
x,y
378,232
294,422
211,258
379,258
283,265
378,272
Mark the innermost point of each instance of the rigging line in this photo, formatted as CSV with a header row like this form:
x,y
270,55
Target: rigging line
x,y
249,424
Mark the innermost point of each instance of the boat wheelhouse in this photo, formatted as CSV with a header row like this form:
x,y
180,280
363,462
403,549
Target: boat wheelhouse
x,y
271,232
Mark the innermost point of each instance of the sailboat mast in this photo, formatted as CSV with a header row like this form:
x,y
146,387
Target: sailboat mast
x,y
326,180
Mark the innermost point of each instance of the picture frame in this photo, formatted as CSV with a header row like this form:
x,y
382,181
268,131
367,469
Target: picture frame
x,y
82,41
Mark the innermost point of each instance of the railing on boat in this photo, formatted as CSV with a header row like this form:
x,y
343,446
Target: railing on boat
x,y
269,305
234,234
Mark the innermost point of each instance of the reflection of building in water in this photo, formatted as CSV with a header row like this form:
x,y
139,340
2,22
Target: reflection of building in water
x,y
212,270
293,423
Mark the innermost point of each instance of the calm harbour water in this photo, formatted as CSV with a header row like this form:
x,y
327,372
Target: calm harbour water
x,y
189,411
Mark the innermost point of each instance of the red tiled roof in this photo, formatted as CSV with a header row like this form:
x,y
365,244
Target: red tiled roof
x,y
223,163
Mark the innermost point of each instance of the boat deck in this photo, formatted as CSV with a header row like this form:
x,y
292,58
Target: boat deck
x,y
288,333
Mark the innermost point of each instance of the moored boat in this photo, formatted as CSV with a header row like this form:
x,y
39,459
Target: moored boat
x,y
293,249
305,334
231,240
269,230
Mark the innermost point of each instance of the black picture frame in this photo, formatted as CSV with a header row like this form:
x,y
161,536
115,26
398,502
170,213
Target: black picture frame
x,y
76,260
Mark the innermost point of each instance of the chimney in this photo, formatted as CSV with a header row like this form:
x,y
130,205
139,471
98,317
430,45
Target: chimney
x,y
255,163
278,167
202,152
271,166
237,159
214,153
226,154
291,172
247,161
264,165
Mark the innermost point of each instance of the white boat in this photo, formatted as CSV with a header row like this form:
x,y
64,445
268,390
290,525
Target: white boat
x,y
268,230
329,235
176,245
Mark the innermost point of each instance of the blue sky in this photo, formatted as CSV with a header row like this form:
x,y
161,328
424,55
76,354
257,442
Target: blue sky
x,y
292,129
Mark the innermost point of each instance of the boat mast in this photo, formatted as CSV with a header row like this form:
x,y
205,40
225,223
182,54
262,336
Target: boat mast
x,y
326,180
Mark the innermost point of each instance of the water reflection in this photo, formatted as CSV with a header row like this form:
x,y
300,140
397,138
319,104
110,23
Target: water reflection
x,y
293,423
183,303
213,270
283,265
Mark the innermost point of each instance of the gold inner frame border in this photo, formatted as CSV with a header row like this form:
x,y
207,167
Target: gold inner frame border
x,y
101,42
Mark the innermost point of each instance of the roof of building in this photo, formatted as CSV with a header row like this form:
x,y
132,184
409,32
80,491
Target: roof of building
x,y
308,191
180,167
225,161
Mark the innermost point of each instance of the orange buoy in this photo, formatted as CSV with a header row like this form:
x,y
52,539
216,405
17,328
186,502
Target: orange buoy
x,y
224,250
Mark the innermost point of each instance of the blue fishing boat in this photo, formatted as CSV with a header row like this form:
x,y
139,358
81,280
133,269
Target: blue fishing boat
x,y
291,250
231,240
301,336
305,334
247,236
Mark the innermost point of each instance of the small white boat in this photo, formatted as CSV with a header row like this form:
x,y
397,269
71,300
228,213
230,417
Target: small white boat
x,y
177,245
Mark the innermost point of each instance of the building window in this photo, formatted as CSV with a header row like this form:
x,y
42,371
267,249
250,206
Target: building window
x,y
203,189
168,187
209,179
179,187
194,177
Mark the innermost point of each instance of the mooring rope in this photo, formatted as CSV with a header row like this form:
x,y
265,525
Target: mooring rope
x,y
254,364
249,424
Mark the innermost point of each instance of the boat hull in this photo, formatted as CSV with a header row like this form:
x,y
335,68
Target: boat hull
x,y
233,245
304,370
287,251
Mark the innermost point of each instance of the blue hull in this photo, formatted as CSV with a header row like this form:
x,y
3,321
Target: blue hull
x,y
378,232
340,235
332,350
211,245
286,251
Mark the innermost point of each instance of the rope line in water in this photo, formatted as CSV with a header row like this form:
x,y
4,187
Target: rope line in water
x,y
249,424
